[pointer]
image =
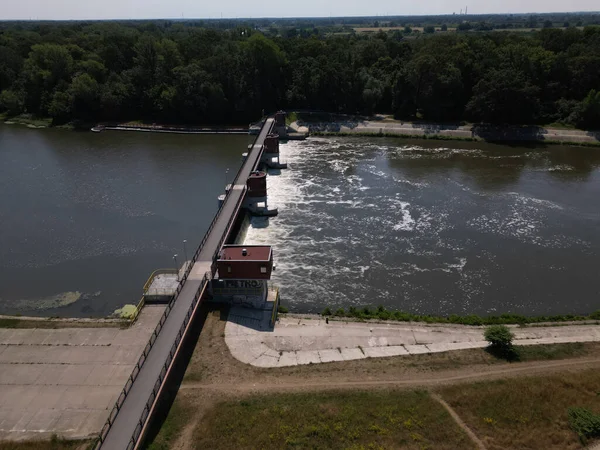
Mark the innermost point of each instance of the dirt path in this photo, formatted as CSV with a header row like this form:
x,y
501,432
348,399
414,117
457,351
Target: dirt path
x,y
480,445
522,369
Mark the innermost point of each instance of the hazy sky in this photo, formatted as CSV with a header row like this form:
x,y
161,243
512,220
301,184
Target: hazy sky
x,y
142,9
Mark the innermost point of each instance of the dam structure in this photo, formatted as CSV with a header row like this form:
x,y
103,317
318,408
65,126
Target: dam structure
x,y
233,274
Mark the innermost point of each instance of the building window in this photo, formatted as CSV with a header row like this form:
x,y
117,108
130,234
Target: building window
x,y
263,269
228,269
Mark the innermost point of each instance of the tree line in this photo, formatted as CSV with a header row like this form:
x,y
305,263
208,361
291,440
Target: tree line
x,y
178,73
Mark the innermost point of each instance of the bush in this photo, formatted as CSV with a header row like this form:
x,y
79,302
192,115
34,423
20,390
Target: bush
x,y
585,423
499,336
326,312
340,312
282,309
595,315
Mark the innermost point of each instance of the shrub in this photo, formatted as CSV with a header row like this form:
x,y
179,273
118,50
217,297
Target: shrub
x,y
499,336
326,312
340,312
595,315
283,309
585,423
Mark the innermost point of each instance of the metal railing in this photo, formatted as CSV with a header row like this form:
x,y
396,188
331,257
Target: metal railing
x,y
138,310
138,366
159,272
165,368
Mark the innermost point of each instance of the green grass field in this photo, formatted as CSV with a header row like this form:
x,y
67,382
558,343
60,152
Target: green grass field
x,y
332,420
526,413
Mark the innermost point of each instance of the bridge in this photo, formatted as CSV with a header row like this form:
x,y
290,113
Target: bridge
x,y
128,420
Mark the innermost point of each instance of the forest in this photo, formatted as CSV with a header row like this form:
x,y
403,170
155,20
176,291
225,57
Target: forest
x,y
183,72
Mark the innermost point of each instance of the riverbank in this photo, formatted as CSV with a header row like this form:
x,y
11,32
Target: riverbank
x,y
381,127
382,314
157,128
386,127
297,341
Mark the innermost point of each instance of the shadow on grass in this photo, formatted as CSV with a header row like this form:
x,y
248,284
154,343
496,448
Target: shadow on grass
x,y
173,381
505,352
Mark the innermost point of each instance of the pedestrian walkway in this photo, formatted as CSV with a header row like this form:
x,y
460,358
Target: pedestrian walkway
x,y
296,341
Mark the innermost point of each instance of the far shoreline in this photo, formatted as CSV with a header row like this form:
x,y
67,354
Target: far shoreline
x,y
349,126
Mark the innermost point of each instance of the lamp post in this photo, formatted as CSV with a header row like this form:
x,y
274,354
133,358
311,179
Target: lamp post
x,y
176,265
185,250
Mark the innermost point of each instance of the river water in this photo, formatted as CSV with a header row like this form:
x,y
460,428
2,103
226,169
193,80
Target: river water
x,y
435,227
85,218
426,227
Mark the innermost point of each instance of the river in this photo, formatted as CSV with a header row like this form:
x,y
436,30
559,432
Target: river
x,y
435,227
89,216
421,226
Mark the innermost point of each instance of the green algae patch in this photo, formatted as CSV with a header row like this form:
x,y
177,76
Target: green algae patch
x,y
126,312
51,302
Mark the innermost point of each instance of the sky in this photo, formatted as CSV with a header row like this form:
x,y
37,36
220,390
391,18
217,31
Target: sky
x,y
192,9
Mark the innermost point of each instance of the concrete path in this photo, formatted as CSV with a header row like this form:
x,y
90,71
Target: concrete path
x,y
65,381
297,341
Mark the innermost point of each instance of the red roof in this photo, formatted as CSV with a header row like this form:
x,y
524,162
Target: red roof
x,y
253,253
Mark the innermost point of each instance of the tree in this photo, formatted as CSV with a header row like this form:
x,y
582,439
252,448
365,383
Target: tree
x,y
444,27
499,336
548,24
504,96
60,107
85,94
429,29
407,30
11,102
590,111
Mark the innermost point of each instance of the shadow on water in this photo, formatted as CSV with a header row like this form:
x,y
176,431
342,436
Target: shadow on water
x,y
260,222
494,166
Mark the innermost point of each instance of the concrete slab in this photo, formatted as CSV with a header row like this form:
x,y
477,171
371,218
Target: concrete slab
x,y
65,381
305,341
416,349
266,361
44,421
19,374
16,337
70,421
36,337
48,397
21,421
287,359
382,352
330,355
270,352
308,357
352,353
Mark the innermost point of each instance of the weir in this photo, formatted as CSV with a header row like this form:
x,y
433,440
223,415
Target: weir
x,y
128,421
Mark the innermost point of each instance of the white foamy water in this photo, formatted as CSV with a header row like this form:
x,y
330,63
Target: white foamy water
x,y
427,230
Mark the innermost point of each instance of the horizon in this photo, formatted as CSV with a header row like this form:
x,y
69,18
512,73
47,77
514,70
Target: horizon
x,y
74,10
391,16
